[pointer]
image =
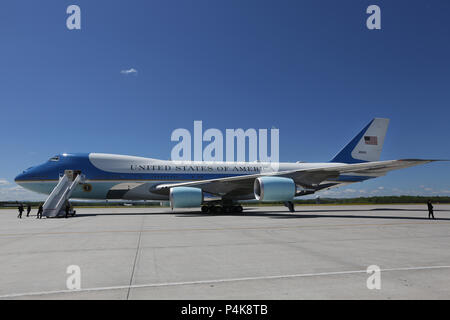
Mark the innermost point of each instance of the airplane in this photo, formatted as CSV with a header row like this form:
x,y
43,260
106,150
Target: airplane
x,y
214,186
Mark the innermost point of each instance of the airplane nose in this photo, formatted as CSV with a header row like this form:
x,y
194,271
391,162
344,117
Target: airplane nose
x,y
19,177
23,176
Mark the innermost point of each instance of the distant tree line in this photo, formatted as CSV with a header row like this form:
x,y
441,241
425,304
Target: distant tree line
x,y
376,200
370,200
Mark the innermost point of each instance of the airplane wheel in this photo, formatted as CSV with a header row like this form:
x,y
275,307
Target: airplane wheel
x,y
234,209
239,209
217,209
228,209
205,209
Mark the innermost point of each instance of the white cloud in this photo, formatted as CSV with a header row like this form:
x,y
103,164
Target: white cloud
x,y
129,71
17,189
3,182
10,192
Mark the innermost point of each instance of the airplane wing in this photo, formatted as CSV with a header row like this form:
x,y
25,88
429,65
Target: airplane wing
x,y
313,179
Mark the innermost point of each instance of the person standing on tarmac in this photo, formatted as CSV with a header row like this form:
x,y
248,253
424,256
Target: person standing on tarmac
x,y
430,209
39,213
20,211
28,210
67,209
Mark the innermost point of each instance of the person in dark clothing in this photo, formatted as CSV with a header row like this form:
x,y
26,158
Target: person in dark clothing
x,y
20,211
430,209
28,210
39,213
67,209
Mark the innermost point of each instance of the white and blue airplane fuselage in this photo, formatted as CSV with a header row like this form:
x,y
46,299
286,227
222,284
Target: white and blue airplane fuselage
x,y
191,184
110,176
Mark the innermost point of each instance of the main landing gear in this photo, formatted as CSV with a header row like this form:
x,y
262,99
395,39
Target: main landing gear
x,y
290,206
222,209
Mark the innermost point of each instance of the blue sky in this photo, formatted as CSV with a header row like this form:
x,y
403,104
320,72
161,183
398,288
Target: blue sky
x,y
310,68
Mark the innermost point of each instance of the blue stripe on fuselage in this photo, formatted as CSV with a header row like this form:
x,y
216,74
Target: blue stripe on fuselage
x,y
51,170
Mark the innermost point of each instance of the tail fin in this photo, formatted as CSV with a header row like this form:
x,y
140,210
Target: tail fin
x,y
367,145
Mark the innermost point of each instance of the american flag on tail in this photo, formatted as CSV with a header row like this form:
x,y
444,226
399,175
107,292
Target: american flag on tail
x,y
373,140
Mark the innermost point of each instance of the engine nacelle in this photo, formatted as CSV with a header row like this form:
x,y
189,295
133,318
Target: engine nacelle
x,y
274,189
185,197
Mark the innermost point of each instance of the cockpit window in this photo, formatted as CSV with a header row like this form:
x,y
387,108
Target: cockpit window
x,y
55,158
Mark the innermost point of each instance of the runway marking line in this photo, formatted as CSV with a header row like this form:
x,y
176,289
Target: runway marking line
x,y
223,229
199,282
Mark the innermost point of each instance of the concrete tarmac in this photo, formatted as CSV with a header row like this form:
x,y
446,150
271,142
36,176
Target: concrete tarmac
x,y
319,252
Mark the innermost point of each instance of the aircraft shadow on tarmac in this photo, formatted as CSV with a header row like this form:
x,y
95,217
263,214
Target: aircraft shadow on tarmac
x,y
308,214
299,214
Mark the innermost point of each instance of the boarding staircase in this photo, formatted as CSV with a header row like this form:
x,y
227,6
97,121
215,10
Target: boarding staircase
x,y
55,203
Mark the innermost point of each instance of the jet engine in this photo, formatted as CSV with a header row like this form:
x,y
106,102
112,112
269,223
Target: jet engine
x,y
274,189
185,197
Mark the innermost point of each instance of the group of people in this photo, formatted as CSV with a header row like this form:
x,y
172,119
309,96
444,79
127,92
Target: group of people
x,y
67,209
39,212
